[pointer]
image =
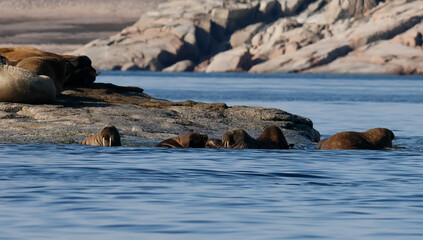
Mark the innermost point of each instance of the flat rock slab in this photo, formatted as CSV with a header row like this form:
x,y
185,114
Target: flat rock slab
x,y
141,119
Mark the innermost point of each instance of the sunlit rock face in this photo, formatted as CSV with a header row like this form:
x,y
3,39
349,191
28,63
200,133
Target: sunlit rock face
x,y
274,35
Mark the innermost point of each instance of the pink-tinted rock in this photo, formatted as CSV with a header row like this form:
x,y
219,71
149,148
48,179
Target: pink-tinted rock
x,y
234,60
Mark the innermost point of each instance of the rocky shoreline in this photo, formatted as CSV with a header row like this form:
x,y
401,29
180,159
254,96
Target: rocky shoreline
x,y
261,36
141,119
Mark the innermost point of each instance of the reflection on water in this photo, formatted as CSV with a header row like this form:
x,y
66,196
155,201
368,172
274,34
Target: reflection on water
x,y
111,193
71,191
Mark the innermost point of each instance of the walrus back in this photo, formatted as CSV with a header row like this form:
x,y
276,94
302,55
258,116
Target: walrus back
x,y
272,138
22,86
169,143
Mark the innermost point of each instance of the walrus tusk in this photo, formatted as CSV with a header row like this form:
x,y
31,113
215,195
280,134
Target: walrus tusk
x,y
109,143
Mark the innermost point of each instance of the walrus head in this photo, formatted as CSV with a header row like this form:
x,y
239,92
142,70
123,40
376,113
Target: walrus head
x,y
107,137
214,143
380,137
272,137
238,139
110,136
192,140
82,74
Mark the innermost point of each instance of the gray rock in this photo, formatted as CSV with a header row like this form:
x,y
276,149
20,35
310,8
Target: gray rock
x,y
140,119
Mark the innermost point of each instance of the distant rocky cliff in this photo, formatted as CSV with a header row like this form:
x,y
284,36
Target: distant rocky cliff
x,y
261,36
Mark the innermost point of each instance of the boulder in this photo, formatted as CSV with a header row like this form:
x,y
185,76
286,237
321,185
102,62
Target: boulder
x,y
383,57
389,21
272,41
320,53
151,48
233,17
244,36
291,7
234,60
181,66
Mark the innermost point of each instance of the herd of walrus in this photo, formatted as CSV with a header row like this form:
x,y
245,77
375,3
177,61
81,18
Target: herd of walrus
x,y
30,75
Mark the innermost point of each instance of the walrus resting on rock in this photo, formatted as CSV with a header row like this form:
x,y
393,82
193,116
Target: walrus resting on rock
x,y
65,70
21,86
56,68
373,139
271,138
187,140
107,137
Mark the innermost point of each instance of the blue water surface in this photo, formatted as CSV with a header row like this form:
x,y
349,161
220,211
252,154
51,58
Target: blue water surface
x,y
72,191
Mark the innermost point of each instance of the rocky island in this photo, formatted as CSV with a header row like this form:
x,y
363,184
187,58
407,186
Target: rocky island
x,y
141,119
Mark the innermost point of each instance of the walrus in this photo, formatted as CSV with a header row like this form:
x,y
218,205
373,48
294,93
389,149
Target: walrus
x,y
187,140
270,138
273,138
56,68
214,143
76,71
373,139
107,137
21,86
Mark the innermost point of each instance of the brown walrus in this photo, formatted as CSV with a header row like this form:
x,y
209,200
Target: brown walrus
x,y
187,140
56,68
107,137
74,70
271,138
373,139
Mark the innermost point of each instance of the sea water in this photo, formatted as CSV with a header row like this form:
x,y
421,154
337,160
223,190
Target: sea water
x,y
72,191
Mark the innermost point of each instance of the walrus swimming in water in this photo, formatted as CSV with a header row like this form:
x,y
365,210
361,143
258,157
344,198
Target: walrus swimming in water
x,y
373,139
107,137
187,140
271,138
214,143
